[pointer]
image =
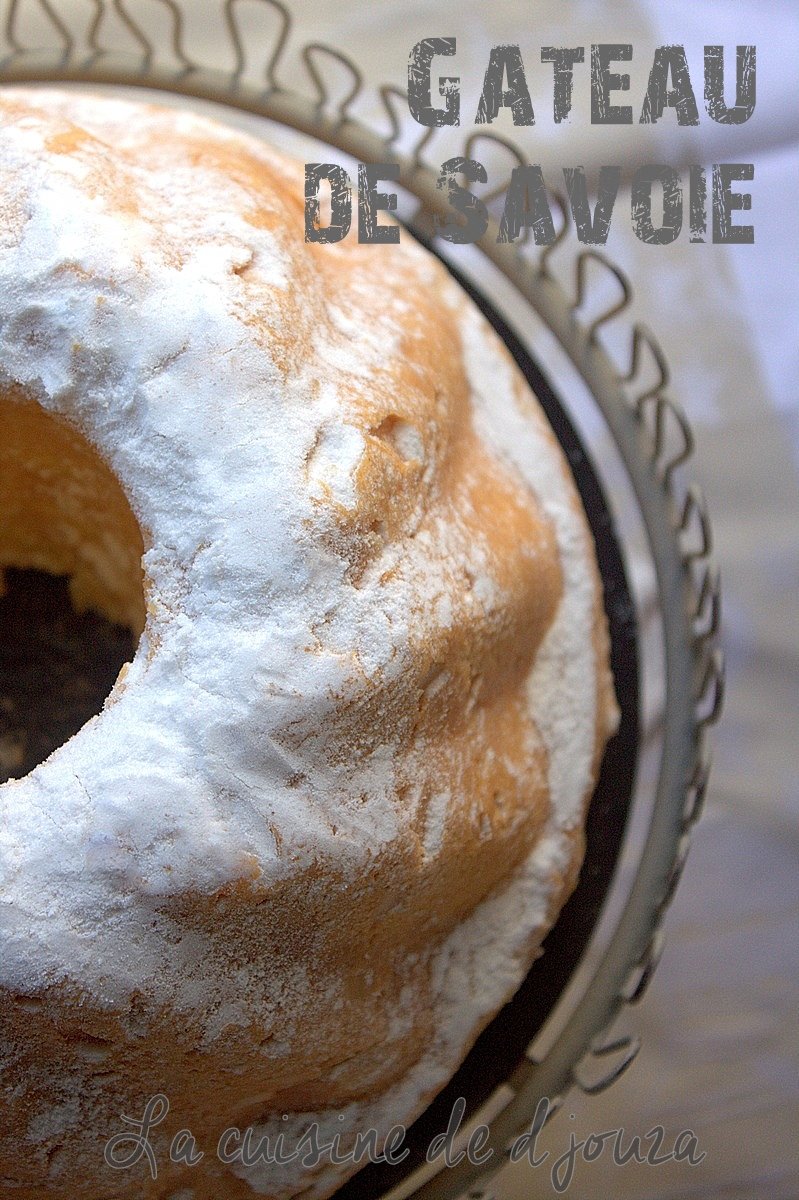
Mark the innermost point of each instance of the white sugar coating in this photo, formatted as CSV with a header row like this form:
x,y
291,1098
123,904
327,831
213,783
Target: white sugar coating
x,y
485,959
562,685
211,441
135,327
475,971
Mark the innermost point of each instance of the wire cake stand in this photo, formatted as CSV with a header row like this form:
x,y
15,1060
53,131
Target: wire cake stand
x,y
628,442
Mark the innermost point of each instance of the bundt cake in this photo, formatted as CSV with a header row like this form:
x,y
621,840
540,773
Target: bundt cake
x,y
313,840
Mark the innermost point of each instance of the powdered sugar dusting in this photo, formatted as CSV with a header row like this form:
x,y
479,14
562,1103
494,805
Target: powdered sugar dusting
x,y
126,322
240,444
562,687
484,960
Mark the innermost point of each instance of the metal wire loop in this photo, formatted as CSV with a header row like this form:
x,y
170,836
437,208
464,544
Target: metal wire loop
x,y
581,290
177,35
707,613
667,412
386,92
710,695
694,517
58,25
135,31
643,337
94,29
629,1046
676,871
697,789
504,144
320,50
546,252
238,42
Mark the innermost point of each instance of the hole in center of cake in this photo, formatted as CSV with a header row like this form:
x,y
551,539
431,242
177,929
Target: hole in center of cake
x,y
71,584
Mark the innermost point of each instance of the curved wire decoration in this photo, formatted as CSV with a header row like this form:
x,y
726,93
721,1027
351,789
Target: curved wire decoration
x,y
648,425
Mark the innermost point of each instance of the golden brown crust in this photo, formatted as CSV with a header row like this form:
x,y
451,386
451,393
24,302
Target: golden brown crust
x,y
471,790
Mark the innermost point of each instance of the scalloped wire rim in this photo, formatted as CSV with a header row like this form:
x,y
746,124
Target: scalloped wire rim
x,y
650,430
